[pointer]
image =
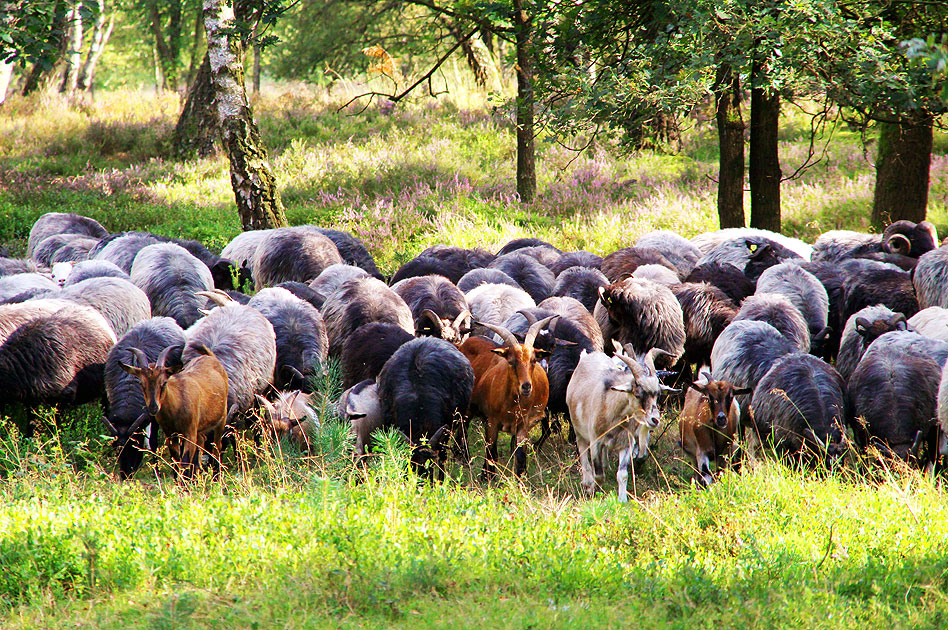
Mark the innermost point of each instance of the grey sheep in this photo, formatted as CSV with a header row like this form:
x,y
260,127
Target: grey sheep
x,y
124,392
297,253
581,283
778,311
171,277
580,258
63,248
861,329
678,250
656,273
494,303
622,263
122,249
301,341
931,322
546,255
85,269
484,275
710,240
868,283
450,262
362,301
744,353
244,342
12,286
332,277
536,279
14,266
524,242
352,250
645,314
574,311
243,247
931,278
706,312
800,408
63,223
804,290
119,301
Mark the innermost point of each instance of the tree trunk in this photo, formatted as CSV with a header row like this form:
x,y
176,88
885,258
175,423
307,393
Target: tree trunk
x,y
73,55
6,73
255,189
902,171
727,96
100,37
526,151
196,132
167,42
196,47
256,68
40,73
764,162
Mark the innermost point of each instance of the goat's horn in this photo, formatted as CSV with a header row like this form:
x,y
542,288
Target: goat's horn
x,y
527,315
294,372
160,363
651,355
438,436
637,370
430,314
505,334
816,438
109,426
535,329
216,296
917,444
139,357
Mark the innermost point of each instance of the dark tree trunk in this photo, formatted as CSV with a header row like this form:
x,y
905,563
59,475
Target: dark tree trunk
x,y
526,150
256,68
40,73
196,46
255,189
902,172
727,96
764,162
197,131
167,41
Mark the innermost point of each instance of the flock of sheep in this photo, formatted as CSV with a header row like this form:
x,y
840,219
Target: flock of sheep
x,y
791,343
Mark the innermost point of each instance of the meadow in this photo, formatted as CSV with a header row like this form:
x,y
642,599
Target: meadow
x,y
297,540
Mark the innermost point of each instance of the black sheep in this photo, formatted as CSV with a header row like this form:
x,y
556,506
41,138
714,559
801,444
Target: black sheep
x,y
581,258
581,283
532,276
726,277
368,348
620,264
450,262
352,250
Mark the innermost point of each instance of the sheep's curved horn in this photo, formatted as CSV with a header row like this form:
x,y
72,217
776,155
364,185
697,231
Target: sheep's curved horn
x,y
896,318
535,329
430,314
109,426
435,441
816,438
917,444
294,373
461,318
505,334
898,244
139,357
216,296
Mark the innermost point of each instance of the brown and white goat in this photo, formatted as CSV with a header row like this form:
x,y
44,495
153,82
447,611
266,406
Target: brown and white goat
x,y
189,403
510,389
708,422
292,415
613,406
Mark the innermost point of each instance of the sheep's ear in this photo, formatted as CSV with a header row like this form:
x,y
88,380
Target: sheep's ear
x,y
131,369
624,387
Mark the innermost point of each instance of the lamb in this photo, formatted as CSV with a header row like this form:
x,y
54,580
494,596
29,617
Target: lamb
x,y
244,342
53,223
124,393
778,311
189,404
708,423
581,283
424,388
613,409
301,341
367,348
800,408
535,279
359,302
645,314
297,253
171,278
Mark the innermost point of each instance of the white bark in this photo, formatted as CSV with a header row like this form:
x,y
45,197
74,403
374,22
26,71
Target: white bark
x,y
74,50
6,72
100,37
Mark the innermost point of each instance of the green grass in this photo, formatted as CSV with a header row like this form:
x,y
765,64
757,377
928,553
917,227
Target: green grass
x,y
310,541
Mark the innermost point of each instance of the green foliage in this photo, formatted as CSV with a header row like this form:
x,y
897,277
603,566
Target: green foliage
x,y
30,30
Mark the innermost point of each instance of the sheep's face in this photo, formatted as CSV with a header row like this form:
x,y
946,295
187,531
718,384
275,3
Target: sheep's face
x,y
872,330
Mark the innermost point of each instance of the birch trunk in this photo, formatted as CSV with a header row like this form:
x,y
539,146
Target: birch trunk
x,y
73,51
255,189
100,37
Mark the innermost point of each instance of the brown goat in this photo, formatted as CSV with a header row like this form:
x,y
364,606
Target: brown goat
x,y
708,422
189,403
510,390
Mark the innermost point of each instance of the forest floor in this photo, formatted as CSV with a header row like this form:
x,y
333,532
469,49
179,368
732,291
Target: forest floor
x,y
309,541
